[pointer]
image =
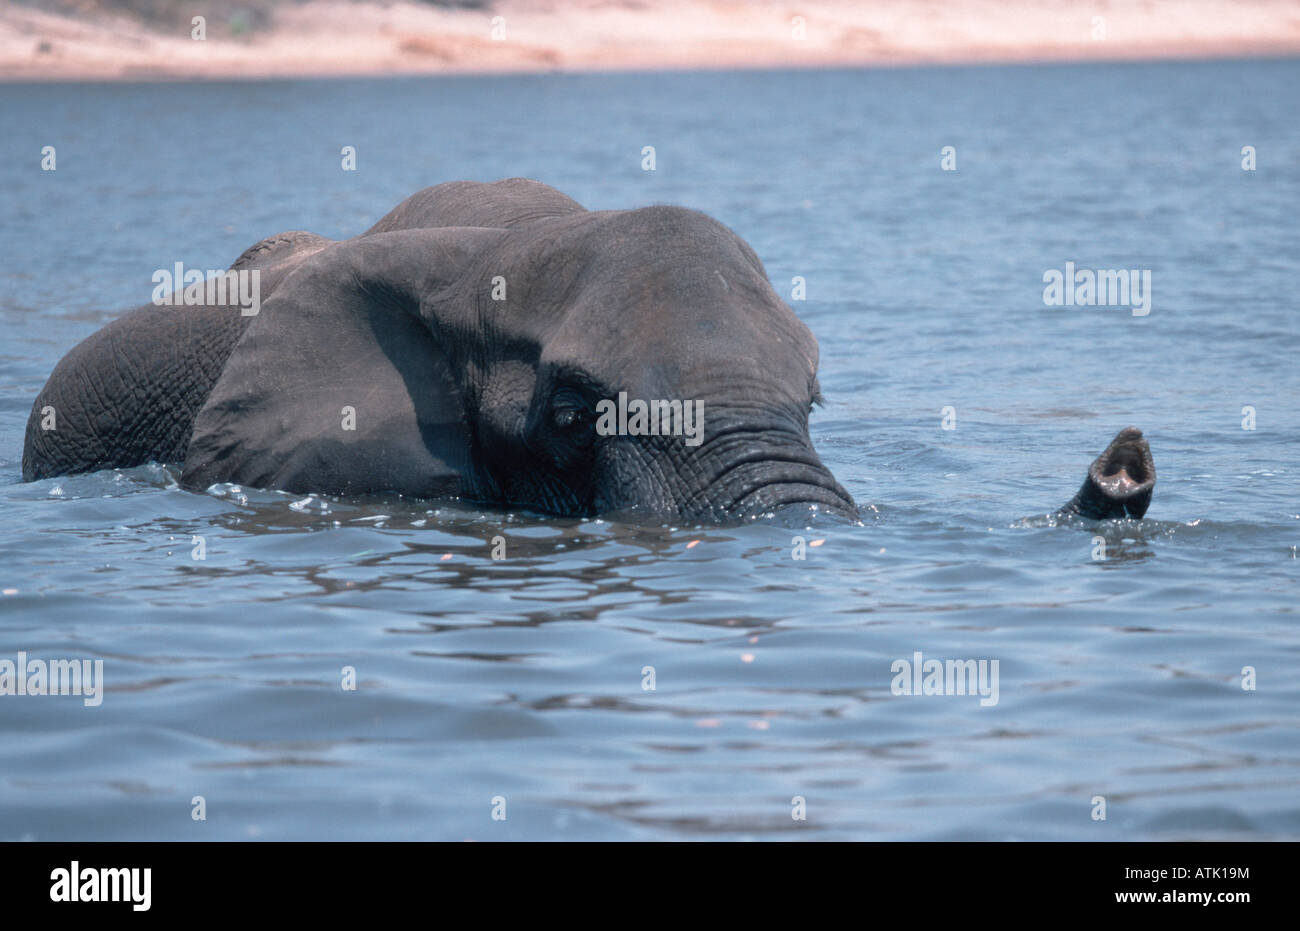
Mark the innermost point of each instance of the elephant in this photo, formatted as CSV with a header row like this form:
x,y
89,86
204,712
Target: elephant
x,y
470,345
462,347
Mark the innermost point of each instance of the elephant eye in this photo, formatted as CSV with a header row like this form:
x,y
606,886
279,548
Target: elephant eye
x,y
566,418
571,412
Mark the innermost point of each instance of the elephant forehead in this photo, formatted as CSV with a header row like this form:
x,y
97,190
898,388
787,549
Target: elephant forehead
x,y
728,329
700,293
648,254
682,365
653,296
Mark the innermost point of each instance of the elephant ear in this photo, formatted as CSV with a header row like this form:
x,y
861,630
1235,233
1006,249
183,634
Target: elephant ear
x,y
338,386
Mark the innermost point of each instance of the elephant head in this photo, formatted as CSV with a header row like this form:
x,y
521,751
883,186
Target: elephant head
x,y
474,342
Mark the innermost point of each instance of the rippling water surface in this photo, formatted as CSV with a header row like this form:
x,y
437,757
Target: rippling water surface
x,y
523,678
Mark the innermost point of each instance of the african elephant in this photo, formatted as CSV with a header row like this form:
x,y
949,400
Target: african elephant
x,y
470,344
463,346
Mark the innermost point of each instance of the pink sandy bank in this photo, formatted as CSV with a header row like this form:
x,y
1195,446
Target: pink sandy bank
x,y
335,37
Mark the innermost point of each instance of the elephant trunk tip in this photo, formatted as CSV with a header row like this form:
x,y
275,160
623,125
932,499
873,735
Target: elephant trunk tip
x,y
1120,481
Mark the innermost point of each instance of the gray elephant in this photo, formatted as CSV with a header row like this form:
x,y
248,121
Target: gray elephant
x,y
471,344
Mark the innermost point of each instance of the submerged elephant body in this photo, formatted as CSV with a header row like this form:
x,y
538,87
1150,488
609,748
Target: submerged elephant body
x,y
463,347
471,344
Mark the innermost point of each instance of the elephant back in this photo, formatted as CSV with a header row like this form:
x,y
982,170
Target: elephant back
x,y
495,205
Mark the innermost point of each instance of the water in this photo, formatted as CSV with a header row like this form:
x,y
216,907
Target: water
x,y
522,678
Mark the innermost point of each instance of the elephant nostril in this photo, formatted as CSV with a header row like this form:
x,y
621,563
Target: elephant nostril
x,y
1119,482
1124,470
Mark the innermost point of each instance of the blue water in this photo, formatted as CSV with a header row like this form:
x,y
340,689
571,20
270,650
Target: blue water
x,y
522,678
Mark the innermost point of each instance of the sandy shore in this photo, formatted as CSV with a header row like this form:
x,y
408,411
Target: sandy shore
x,y
335,37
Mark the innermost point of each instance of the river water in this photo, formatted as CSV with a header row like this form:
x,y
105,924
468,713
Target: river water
x,y
519,687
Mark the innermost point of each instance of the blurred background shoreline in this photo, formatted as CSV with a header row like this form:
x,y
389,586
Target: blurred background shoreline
x,y
155,39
